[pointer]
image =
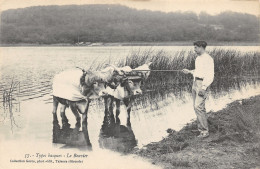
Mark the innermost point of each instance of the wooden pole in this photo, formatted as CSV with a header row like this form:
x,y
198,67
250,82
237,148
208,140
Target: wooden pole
x,y
157,70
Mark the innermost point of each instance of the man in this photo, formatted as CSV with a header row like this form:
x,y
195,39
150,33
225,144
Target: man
x,y
203,76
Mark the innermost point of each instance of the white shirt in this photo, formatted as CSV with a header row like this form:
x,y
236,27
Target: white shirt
x,y
204,68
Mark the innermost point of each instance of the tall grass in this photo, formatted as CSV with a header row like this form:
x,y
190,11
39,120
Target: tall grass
x,y
232,68
11,102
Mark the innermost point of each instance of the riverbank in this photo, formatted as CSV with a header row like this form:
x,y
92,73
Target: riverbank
x,y
178,43
234,141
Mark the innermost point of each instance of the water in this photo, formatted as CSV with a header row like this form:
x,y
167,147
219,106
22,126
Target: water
x,y
30,122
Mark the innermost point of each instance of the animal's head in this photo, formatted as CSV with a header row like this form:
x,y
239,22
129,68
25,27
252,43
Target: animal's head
x,y
133,85
99,89
135,81
93,85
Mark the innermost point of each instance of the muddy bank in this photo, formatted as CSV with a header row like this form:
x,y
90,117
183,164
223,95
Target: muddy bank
x,y
234,141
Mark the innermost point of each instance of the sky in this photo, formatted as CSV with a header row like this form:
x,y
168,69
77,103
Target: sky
x,y
209,6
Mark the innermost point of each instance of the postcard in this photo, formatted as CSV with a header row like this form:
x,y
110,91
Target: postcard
x,y
129,84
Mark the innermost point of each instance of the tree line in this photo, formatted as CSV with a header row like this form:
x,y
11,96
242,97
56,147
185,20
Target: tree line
x,y
116,23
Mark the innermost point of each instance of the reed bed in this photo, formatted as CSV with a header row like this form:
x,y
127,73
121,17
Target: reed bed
x,y
11,103
232,69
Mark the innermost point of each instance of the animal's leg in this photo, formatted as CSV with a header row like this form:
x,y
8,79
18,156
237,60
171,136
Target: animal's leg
x,y
85,128
76,114
106,105
65,120
83,109
54,112
117,110
110,117
128,104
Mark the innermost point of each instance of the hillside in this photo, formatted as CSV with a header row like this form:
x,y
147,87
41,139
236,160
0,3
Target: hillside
x,y
116,23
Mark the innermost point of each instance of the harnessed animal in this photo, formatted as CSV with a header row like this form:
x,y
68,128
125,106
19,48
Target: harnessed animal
x,y
130,85
75,89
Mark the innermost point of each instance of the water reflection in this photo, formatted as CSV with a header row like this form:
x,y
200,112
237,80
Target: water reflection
x,y
71,137
115,136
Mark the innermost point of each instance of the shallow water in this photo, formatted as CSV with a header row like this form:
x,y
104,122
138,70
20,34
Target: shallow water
x,y
27,128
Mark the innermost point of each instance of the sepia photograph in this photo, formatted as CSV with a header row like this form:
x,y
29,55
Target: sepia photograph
x,y
129,84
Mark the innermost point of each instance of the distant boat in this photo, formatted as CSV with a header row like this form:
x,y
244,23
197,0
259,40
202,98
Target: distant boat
x,y
83,43
96,44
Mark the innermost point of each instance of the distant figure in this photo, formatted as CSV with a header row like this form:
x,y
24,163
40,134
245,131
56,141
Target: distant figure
x,y
203,76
